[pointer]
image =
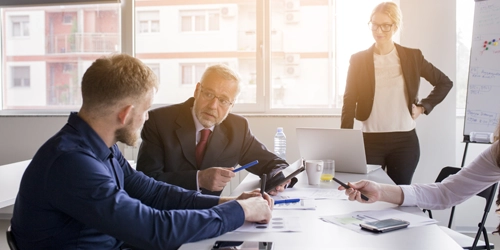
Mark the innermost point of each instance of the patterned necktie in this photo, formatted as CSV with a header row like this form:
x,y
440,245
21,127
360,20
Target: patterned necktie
x,y
200,147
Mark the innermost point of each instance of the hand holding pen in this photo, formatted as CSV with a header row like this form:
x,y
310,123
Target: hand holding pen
x,y
346,187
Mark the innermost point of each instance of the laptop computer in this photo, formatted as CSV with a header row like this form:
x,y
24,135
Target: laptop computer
x,y
345,146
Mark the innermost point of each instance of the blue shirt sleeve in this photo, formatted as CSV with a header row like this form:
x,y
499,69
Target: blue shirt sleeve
x,y
144,213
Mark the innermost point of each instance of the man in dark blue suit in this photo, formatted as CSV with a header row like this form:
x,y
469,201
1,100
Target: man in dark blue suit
x,y
79,192
171,135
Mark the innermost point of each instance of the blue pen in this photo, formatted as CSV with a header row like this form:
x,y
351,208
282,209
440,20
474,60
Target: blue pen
x,y
286,201
246,166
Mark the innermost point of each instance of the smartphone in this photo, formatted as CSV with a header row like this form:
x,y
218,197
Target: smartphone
x,y
243,245
274,182
386,225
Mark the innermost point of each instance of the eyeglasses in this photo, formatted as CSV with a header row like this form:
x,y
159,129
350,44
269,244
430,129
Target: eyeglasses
x,y
224,102
384,27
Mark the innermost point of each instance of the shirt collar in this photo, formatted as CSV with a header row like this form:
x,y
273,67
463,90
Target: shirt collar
x,y
88,135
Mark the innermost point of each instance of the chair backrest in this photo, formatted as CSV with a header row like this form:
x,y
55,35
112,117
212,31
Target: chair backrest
x,y
488,194
10,240
445,172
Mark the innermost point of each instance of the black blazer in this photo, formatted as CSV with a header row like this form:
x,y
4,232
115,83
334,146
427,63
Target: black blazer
x,y
360,85
167,152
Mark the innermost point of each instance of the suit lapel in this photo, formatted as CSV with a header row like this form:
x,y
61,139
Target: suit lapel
x,y
186,134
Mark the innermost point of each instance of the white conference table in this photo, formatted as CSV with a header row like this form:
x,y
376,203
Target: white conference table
x,y
317,234
10,178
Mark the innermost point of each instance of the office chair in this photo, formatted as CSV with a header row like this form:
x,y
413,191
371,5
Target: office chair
x,y
10,240
461,239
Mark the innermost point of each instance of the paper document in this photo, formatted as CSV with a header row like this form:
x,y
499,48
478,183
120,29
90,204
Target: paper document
x,y
311,193
277,224
303,204
352,220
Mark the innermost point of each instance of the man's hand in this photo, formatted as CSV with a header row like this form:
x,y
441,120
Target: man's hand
x,y
374,191
256,193
215,178
256,209
279,188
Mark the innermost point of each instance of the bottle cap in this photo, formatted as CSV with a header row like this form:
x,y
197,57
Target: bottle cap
x,y
280,129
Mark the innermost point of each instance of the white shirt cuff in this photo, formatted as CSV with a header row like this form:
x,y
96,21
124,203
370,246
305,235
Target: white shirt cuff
x,y
409,196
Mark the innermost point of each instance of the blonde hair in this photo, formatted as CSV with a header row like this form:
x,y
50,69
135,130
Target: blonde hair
x,y
392,10
112,79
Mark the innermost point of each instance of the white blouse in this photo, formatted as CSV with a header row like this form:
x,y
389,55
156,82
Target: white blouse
x,y
472,179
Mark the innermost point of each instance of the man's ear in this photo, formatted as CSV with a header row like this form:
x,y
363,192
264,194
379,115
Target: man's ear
x,y
198,85
124,114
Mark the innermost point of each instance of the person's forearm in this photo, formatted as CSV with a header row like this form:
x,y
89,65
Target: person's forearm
x,y
391,193
226,199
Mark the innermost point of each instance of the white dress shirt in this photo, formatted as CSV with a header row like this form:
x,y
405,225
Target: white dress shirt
x,y
472,179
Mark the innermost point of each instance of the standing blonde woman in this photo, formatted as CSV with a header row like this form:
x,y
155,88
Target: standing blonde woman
x,y
382,92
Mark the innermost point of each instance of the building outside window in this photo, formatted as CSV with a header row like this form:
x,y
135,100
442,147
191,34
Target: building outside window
x,y
294,60
20,26
200,20
21,76
149,21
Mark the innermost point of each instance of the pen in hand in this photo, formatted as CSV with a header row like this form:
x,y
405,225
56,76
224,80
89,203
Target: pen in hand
x,y
246,166
263,184
347,187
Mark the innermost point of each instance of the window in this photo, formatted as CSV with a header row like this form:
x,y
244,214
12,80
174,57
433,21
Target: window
x,y
67,18
200,20
149,21
54,53
21,76
20,26
292,58
300,61
191,73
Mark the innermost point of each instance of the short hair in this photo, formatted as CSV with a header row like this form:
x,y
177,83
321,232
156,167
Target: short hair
x,y
114,78
392,10
225,72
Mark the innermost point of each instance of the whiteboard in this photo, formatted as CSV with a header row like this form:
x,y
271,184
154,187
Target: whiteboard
x,y
482,108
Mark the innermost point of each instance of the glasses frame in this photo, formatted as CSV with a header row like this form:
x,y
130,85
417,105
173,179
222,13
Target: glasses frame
x,y
224,102
375,27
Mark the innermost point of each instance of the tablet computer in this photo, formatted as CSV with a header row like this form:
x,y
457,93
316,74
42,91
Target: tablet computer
x,y
274,182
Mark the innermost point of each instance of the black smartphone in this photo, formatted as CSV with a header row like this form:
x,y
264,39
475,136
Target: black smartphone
x,y
242,245
385,225
274,182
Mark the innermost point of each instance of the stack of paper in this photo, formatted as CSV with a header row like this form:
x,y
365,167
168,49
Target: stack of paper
x,y
352,220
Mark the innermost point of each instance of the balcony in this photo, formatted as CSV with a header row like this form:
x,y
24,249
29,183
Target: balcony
x,y
83,43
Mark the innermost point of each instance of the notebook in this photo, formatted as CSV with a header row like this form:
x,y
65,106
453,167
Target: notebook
x,y
345,146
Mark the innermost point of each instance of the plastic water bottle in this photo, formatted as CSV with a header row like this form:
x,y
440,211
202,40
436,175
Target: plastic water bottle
x,y
280,143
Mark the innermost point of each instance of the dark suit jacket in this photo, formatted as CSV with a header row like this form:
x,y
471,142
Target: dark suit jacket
x,y
167,152
360,86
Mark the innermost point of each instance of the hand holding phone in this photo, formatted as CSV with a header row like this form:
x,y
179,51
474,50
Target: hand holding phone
x,y
347,187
